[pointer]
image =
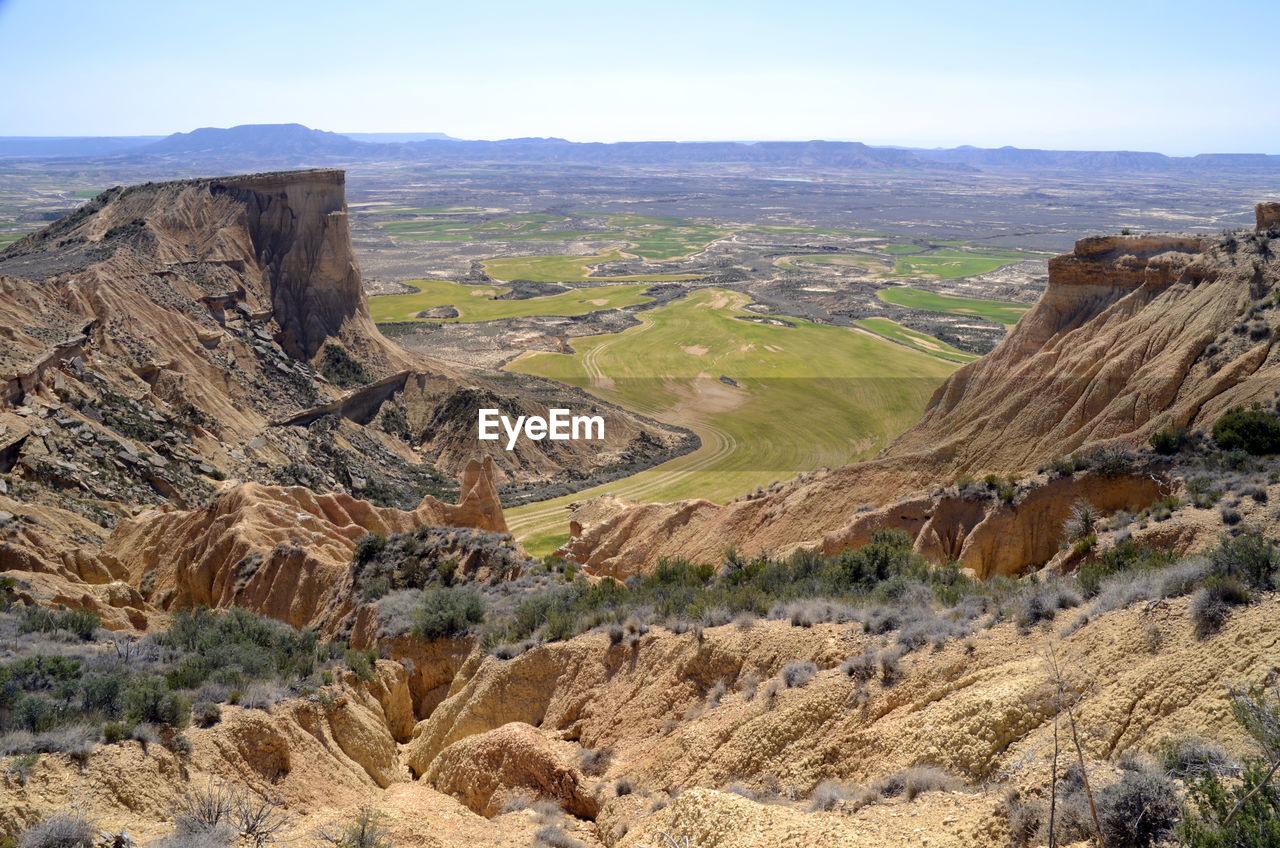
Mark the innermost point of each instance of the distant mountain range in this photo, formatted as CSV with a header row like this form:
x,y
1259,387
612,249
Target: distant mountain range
x,y
294,145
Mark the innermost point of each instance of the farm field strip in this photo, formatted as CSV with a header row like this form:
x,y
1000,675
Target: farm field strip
x,y
922,342
478,303
1000,311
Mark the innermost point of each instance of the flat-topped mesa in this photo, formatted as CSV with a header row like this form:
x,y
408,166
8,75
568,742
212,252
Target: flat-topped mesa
x,y
1268,215
298,224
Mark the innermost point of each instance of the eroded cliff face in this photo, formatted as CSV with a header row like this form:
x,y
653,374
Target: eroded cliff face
x,y
298,226
1133,334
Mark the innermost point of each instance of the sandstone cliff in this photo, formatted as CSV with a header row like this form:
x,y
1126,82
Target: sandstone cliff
x,y
1133,334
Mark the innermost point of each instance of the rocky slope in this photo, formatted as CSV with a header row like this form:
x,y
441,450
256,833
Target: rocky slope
x,y
1133,334
665,747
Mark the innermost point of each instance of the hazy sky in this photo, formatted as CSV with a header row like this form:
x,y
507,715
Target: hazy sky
x,y
1173,76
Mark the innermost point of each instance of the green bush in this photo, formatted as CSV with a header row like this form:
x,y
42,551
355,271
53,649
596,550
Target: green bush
x,y
1249,557
447,611
115,732
149,700
80,622
361,663
340,368
369,546
1170,440
1228,813
1255,430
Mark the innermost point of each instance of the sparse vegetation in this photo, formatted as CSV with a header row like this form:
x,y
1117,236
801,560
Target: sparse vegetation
x,y
68,700
366,830
1221,811
798,674
341,368
67,828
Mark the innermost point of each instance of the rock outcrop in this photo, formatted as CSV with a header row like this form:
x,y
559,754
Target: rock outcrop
x,y
1133,334
282,552
1268,215
516,762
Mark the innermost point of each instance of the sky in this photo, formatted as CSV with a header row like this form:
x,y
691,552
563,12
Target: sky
x,y
1175,77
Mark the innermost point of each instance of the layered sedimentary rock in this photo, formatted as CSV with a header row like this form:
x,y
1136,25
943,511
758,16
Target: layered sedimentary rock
x,y
282,552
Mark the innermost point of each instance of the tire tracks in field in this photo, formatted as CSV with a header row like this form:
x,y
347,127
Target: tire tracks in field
x,y
721,442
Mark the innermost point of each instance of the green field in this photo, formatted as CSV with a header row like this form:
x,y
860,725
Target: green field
x,y
656,239
950,264
902,249
806,396
911,338
568,269
476,303
870,264
999,311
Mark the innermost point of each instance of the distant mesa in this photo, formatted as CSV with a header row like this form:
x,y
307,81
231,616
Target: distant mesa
x,y
295,145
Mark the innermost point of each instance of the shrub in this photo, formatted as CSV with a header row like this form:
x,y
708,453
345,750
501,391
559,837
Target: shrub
x,y
798,674
446,612
826,795
81,623
861,667
1222,813
1169,440
1137,811
20,767
1128,555
1041,603
365,831
206,713
553,836
221,815
115,732
1081,521
340,368
361,664
1189,759
1249,557
369,546
150,700
1211,604
1255,430
594,761
69,828
914,781
1025,820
